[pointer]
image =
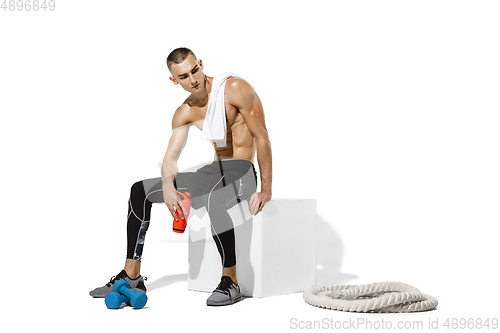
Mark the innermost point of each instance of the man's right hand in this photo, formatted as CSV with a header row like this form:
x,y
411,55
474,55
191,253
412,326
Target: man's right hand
x,y
173,202
257,202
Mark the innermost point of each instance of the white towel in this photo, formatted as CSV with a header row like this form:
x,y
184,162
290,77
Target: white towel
x,y
214,127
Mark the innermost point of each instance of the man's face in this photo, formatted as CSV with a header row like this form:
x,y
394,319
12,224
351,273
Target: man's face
x,y
189,74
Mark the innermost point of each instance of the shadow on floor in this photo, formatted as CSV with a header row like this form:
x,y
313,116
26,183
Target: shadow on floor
x,y
166,281
330,250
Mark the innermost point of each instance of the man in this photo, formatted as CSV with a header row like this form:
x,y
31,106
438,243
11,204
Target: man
x,y
219,185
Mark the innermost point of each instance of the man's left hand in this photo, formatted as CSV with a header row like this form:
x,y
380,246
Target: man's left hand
x,y
257,202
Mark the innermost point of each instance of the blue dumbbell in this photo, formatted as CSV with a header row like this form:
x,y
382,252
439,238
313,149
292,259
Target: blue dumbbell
x,y
114,300
136,298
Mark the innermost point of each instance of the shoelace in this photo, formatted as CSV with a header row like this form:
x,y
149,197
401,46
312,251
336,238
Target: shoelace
x,y
118,277
224,286
113,279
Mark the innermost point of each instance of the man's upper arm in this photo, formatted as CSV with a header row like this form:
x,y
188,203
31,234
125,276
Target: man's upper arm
x,y
180,130
243,97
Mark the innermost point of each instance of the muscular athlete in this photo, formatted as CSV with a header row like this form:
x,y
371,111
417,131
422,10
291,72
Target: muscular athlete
x,y
231,175
246,129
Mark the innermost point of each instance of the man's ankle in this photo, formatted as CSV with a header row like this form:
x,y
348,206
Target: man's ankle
x,y
132,275
233,278
132,268
230,272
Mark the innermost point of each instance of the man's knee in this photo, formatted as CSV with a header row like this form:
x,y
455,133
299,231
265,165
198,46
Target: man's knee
x,y
215,202
137,191
222,197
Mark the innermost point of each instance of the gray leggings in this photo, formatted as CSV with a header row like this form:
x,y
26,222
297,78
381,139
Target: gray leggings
x,y
217,186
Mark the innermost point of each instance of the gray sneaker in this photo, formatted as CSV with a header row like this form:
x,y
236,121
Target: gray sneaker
x,y
137,284
226,293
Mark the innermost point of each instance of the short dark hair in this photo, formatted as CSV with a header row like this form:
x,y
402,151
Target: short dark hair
x,y
178,55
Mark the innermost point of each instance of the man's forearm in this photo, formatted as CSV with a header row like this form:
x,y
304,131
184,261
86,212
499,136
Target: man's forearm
x,y
168,171
265,159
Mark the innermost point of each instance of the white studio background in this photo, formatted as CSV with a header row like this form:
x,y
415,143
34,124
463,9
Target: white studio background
x,y
386,112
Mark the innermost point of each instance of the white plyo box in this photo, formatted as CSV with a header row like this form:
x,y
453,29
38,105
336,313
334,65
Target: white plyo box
x,y
275,250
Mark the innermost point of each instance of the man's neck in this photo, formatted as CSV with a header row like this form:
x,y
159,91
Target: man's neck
x,y
203,96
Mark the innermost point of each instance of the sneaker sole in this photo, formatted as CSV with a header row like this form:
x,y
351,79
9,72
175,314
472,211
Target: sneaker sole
x,y
225,303
104,295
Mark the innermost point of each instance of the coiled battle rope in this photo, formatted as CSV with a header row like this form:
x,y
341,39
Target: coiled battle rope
x,y
375,297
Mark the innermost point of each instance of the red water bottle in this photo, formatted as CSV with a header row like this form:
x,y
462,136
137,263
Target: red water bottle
x,y
180,224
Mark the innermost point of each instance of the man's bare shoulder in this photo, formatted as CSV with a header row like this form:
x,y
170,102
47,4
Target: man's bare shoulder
x,y
181,115
239,85
239,91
